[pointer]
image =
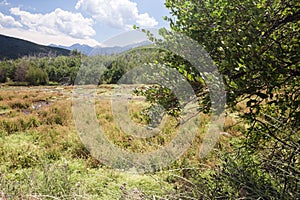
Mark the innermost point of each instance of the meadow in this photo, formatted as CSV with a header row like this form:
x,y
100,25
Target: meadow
x,y
42,156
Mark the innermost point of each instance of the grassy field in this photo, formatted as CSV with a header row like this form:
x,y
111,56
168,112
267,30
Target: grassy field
x,y
42,156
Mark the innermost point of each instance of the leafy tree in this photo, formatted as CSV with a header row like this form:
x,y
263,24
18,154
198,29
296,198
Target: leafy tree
x,y
123,63
255,45
76,53
21,67
61,69
6,70
92,68
36,76
2,75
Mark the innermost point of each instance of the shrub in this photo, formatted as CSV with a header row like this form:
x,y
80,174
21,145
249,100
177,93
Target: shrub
x,y
20,71
36,76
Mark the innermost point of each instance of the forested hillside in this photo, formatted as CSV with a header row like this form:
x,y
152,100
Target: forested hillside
x,y
13,48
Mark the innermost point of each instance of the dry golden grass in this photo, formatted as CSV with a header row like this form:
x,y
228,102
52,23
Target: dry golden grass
x,y
38,136
48,109
37,130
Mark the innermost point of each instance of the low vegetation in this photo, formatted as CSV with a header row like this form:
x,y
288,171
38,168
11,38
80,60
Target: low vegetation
x,y
42,156
63,70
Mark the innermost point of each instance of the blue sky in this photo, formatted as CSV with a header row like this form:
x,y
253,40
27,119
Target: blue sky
x,y
65,22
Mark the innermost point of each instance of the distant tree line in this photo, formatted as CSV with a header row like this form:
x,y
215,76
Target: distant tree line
x,y
63,70
40,71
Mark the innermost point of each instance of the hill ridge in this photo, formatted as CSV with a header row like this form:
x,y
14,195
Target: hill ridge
x,y
13,48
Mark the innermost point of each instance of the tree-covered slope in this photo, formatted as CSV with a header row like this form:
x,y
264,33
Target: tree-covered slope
x,y
12,48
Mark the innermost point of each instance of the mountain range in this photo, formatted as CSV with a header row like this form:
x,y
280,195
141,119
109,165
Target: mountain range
x,y
13,48
91,51
83,48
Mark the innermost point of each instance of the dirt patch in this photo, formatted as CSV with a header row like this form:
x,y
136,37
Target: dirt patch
x,y
37,105
40,104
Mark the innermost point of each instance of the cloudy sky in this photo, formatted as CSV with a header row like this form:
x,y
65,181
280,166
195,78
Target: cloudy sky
x,y
65,22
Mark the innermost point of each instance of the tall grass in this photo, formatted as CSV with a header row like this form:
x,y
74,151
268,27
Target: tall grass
x,y
42,156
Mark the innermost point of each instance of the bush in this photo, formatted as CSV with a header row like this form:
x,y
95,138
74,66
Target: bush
x,y
20,71
2,75
36,76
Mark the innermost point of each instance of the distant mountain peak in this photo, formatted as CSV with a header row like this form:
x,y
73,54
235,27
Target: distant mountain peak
x,y
118,49
89,50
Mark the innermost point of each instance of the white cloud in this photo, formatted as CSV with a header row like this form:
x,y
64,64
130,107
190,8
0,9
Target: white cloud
x,y
8,21
116,13
58,22
146,20
4,2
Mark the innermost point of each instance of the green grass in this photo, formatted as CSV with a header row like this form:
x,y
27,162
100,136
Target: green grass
x,y
42,157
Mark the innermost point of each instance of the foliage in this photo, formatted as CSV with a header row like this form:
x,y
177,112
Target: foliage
x,y
124,62
92,68
39,71
64,69
255,45
158,95
20,70
36,76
